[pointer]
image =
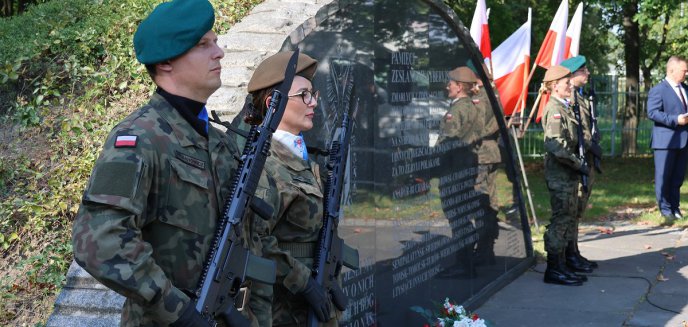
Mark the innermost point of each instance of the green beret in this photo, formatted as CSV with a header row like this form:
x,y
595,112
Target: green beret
x,y
574,63
556,72
271,70
463,74
171,29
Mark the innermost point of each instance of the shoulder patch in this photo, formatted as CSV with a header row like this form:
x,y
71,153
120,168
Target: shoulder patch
x,y
125,141
448,116
475,101
556,116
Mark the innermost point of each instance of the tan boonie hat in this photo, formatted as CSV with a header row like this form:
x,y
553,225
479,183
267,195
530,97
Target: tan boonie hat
x,y
556,72
271,70
463,74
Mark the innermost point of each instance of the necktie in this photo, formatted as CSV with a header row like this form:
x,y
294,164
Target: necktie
x,y
683,100
300,145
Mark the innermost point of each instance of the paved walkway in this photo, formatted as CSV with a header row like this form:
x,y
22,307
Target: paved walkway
x,y
642,281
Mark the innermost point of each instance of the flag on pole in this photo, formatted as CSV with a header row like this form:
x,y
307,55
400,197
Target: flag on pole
x,y
511,63
481,33
552,49
573,33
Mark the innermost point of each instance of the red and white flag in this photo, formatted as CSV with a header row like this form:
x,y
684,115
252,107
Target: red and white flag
x,y
573,33
511,63
480,32
552,49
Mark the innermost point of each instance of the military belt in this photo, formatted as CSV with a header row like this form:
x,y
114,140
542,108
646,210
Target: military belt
x,y
299,249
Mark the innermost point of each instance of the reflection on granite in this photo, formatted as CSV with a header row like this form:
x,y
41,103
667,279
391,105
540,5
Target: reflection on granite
x,y
423,229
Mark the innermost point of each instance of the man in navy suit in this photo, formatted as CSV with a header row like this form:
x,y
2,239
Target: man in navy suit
x,y
666,106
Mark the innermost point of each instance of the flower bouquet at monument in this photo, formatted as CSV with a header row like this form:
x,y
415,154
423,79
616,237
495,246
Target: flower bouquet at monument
x,y
451,315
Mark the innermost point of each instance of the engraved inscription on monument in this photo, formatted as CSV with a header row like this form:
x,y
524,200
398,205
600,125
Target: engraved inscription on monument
x,y
426,212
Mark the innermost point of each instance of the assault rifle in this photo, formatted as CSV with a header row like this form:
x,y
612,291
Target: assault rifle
x,y
332,253
594,130
581,142
220,291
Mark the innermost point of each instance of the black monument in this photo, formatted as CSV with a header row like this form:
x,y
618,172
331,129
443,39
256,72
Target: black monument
x,y
412,209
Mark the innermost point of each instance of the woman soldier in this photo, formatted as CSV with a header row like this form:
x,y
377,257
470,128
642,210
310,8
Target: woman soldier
x,y
291,185
562,174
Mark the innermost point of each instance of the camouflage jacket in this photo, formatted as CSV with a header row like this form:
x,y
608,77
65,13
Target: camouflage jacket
x,y
489,152
297,199
561,135
293,188
462,121
149,211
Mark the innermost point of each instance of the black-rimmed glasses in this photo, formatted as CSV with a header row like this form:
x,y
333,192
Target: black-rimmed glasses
x,y
307,96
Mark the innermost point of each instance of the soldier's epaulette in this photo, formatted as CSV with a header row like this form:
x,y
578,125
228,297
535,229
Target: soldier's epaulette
x,y
125,141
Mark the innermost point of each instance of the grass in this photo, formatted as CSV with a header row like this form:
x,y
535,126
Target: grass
x,y
624,191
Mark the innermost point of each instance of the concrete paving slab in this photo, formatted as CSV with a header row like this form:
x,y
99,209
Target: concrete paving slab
x,y
631,259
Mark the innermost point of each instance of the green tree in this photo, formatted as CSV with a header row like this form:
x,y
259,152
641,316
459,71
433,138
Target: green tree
x,y
15,7
652,31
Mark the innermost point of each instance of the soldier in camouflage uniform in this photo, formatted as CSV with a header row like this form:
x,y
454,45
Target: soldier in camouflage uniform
x,y
562,174
291,184
463,119
462,123
150,209
579,77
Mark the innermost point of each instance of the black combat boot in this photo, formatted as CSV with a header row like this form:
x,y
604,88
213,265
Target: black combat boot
x,y
592,264
574,262
556,273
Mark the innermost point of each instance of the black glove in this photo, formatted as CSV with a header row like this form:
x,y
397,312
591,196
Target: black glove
x,y
190,318
318,299
596,150
583,169
338,297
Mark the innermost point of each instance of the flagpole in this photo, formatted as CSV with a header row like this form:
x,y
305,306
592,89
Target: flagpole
x,y
525,178
532,111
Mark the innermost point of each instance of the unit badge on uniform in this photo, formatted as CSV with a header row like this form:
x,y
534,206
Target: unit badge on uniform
x,y
125,141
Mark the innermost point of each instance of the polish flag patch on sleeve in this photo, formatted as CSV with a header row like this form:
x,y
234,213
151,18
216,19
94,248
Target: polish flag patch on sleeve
x,y
556,116
126,141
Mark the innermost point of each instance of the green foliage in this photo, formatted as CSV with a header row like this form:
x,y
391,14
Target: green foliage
x,y
67,74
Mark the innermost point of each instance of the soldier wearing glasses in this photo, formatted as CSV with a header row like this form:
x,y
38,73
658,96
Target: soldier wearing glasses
x,y
292,186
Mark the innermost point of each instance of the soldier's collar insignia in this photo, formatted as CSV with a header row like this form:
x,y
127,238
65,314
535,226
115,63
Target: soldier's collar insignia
x,y
189,160
126,141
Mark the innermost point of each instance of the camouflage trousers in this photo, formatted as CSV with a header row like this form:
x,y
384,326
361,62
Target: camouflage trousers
x,y
562,183
583,198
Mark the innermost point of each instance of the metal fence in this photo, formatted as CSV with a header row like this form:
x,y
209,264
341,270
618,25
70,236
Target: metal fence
x,y
610,96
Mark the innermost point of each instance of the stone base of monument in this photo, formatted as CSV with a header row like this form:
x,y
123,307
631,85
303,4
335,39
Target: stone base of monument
x,y
84,302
